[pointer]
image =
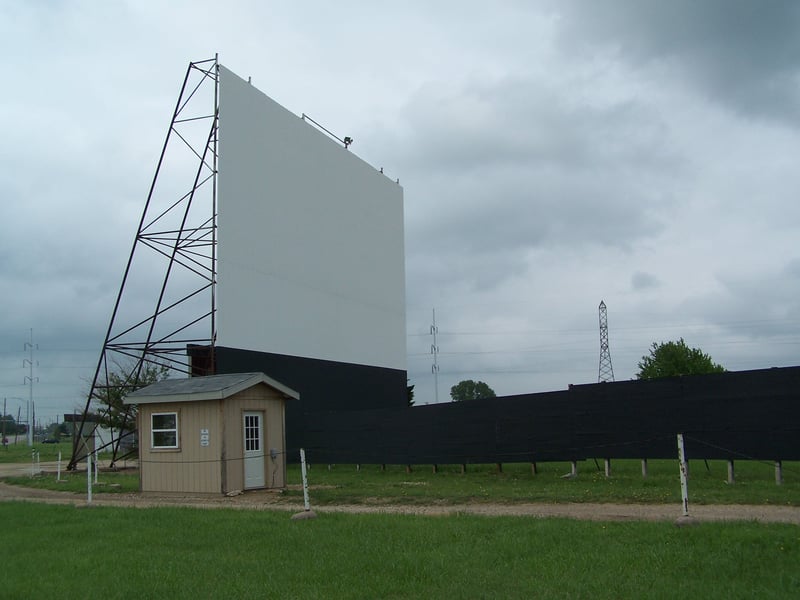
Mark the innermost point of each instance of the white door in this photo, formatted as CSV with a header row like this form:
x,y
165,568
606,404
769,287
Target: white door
x,y
253,450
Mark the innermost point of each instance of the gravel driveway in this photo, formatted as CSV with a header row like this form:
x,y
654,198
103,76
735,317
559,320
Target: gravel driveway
x,y
267,500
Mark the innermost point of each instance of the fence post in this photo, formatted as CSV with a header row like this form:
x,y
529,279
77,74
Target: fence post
x,y
731,473
778,472
608,467
534,469
88,477
307,513
684,486
306,504
644,468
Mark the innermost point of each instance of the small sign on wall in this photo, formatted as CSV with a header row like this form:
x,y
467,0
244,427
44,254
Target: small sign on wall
x,y
204,437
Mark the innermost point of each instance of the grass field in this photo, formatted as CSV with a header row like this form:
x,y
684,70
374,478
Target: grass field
x,y
755,483
21,452
190,553
67,552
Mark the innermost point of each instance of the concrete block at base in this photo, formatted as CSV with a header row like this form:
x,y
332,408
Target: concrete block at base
x,y
306,514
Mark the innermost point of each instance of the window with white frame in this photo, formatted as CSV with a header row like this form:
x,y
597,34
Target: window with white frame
x,y
164,430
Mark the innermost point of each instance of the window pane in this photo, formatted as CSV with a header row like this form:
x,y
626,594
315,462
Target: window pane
x,y
165,421
165,439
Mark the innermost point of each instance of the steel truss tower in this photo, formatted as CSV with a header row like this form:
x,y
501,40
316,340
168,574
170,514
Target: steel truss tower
x,y
166,302
606,371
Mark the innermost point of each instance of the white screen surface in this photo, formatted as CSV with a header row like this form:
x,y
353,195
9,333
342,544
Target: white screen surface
x,y
310,240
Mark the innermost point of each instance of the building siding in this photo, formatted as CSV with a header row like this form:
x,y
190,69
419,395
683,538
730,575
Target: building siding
x,y
217,467
191,467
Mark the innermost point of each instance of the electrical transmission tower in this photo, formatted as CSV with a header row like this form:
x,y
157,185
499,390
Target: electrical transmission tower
x,y
30,379
606,371
166,306
435,352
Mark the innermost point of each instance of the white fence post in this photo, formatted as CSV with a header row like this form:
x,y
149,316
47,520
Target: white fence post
x,y
88,478
307,513
306,503
684,486
58,471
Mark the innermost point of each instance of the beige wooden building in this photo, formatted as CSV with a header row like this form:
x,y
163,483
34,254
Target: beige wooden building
x,y
215,434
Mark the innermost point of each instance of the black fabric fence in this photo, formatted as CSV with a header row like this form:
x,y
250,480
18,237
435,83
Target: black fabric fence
x,y
737,415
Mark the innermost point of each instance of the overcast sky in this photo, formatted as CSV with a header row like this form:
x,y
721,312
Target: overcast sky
x,y
552,154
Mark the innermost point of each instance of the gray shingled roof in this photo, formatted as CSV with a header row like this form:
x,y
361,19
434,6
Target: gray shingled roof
x,y
212,387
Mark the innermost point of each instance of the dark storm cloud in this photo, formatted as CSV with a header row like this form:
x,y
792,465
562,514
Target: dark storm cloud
x,y
741,53
644,281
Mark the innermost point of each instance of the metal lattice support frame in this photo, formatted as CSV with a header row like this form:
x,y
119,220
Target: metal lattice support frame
x,y
606,371
172,265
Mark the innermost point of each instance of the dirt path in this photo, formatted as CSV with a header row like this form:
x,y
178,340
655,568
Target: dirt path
x,y
265,500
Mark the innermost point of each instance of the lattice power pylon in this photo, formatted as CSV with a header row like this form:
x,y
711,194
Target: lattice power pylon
x,y
166,303
606,371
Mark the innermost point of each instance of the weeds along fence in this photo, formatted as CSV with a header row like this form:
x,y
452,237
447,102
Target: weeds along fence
x,y
732,416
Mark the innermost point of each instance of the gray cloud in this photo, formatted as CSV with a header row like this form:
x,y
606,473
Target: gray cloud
x,y
742,54
644,281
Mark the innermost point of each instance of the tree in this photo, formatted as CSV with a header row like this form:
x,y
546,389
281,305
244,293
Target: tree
x,y
121,381
10,425
471,390
670,359
55,431
114,414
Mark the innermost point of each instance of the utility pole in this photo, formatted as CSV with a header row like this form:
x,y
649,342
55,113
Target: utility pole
x,y
605,371
29,379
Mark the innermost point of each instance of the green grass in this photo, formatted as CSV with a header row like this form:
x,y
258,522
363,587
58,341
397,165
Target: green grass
x,y
108,482
67,552
755,483
21,452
